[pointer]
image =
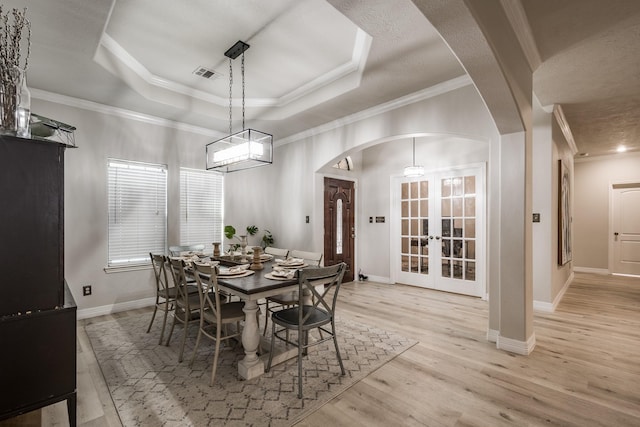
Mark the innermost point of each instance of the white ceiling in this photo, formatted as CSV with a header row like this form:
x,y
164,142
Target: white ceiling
x,y
314,61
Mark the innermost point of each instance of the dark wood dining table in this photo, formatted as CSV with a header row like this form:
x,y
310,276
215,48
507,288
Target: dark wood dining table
x,y
250,289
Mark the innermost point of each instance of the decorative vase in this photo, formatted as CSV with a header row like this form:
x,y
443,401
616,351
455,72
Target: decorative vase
x,y
243,248
23,108
216,249
9,100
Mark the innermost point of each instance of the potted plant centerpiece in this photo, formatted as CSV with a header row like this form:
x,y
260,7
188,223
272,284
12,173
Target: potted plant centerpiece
x,y
267,239
230,233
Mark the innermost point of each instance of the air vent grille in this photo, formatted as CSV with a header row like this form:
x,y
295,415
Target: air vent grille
x,y
205,72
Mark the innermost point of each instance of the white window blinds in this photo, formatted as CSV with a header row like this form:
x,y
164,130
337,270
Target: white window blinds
x,y
201,206
137,211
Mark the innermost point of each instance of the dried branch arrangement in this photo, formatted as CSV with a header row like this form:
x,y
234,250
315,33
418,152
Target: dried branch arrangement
x,y
13,25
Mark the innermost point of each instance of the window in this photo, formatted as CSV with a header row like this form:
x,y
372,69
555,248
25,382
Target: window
x,y
137,211
201,206
345,164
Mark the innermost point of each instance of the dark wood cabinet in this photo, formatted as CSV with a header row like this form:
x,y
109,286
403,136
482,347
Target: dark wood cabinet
x,y
37,312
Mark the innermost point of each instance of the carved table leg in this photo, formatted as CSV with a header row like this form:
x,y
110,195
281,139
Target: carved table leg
x,y
251,366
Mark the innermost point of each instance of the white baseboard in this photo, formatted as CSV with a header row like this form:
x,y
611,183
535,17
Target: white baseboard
x,y
550,307
543,306
379,279
515,346
492,335
604,271
87,313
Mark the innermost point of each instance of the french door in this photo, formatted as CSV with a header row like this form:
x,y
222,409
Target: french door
x,y
438,231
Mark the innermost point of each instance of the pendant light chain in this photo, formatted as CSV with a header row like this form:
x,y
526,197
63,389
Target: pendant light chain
x,y
242,91
230,93
246,148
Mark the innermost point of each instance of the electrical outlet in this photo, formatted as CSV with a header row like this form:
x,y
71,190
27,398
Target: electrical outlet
x,y
86,290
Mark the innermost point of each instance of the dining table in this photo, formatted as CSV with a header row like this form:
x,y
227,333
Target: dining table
x,y
251,288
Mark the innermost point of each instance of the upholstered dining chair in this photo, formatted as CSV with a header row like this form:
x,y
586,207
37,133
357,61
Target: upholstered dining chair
x,y
165,291
319,315
215,315
177,250
187,305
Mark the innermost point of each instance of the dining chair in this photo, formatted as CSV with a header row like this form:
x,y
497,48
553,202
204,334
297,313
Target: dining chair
x,y
187,305
302,318
311,258
177,250
215,314
277,302
276,252
165,293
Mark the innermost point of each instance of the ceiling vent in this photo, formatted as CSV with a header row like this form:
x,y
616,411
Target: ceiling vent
x,y
206,73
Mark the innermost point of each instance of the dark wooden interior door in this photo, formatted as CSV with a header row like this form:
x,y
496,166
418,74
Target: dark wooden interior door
x,y
339,225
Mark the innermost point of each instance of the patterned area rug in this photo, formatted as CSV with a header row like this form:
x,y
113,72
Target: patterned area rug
x,y
150,388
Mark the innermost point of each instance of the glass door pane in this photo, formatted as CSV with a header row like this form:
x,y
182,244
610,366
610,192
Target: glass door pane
x,y
414,227
458,216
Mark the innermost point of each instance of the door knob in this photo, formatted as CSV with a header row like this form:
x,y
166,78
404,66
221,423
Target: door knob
x,y
437,237
615,234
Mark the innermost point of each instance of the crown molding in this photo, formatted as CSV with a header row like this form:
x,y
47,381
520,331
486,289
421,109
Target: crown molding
x,y
120,112
603,157
564,127
117,60
427,93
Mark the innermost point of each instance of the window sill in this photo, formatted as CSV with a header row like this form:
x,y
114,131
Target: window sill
x,y
126,268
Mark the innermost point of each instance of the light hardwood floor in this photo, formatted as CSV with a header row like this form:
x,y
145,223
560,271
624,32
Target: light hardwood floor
x,y
584,371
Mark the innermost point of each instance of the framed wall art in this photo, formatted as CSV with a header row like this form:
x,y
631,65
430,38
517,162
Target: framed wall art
x,y
564,214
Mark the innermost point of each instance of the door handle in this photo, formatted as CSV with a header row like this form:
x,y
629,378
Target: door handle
x,y
437,237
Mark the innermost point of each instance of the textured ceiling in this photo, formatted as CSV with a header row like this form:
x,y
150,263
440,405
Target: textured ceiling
x,y
314,61
590,52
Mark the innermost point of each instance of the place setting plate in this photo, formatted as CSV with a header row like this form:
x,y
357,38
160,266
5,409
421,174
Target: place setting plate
x,y
277,277
234,272
290,264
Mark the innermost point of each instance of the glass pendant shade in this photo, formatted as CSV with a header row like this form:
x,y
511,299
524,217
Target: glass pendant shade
x,y
246,149
413,171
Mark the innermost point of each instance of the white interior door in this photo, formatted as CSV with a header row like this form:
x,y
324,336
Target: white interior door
x,y
626,228
438,231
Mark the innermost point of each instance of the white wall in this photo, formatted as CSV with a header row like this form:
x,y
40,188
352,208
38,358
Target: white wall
x,y
99,137
593,178
385,160
549,279
294,183
277,197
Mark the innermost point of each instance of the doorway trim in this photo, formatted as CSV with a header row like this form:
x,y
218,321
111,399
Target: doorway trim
x,y
610,248
321,177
